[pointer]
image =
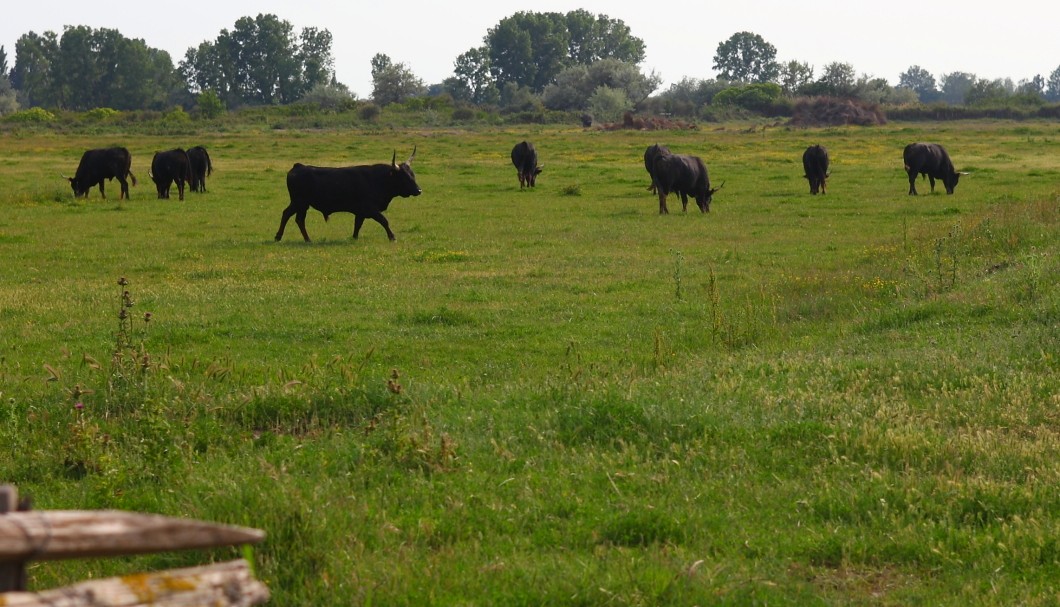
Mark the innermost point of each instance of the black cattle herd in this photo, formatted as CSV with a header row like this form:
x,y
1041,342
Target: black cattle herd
x,y
367,190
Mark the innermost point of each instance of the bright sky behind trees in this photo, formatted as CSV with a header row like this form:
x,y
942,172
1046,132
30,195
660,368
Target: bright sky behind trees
x,y
1014,40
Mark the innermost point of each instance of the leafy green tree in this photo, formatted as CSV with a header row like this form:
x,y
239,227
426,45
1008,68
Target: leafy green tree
x,y
33,75
393,82
839,79
8,99
794,75
531,49
955,87
1052,85
575,86
260,62
921,82
1033,87
608,104
210,105
88,68
989,92
746,57
472,79
594,38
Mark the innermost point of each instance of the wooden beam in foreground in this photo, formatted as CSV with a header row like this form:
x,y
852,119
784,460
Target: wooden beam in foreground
x,y
219,585
63,534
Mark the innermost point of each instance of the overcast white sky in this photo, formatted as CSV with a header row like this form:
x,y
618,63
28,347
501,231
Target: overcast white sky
x,y
1015,39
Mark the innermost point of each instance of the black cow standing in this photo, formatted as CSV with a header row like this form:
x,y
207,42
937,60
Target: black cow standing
x,y
365,191
169,167
932,160
99,164
524,157
684,175
200,168
815,165
650,154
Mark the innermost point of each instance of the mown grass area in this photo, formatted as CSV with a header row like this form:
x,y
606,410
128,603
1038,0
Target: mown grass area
x,y
556,396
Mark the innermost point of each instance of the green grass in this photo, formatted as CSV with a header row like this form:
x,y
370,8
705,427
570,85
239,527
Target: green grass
x,y
556,396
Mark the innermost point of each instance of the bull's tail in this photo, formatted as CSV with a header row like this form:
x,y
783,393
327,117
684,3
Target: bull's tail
x,y
132,177
209,165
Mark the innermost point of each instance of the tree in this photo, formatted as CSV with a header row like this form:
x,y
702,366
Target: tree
x,y
1034,87
593,39
988,92
608,104
921,82
33,75
531,49
746,57
472,79
839,79
1052,86
393,82
575,86
8,99
794,75
955,86
260,62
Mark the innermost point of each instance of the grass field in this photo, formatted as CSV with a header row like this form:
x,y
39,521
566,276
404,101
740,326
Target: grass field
x,y
555,396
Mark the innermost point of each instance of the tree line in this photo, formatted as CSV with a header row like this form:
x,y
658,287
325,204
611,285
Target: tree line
x,y
528,62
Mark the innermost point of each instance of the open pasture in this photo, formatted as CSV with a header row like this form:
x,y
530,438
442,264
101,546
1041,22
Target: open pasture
x,y
556,395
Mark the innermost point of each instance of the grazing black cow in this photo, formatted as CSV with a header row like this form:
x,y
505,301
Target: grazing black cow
x,y
200,168
815,165
930,159
168,167
97,165
524,157
365,191
650,154
684,175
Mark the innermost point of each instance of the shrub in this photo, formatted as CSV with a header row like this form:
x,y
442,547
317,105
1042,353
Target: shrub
x,y
101,113
33,114
210,105
370,112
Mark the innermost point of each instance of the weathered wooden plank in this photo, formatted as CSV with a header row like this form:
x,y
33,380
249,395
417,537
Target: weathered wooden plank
x,y
63,534
217,585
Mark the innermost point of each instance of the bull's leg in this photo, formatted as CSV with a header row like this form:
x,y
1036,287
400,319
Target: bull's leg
x,y
102,192
684,202
290,210
180,188
912,184
299,218
124,188
662,203
358,221
386,225
932,180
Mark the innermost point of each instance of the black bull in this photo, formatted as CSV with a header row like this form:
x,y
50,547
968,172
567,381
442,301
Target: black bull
x,y
684,175
650,154
169,167
815,167
365,191
524,157
200,167
932,160
99,165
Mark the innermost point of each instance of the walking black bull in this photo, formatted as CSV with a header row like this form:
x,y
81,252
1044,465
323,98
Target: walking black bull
x,y
365,191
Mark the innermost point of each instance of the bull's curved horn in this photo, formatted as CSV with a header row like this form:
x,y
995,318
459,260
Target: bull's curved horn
x,y
64,177
393,160
409,161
